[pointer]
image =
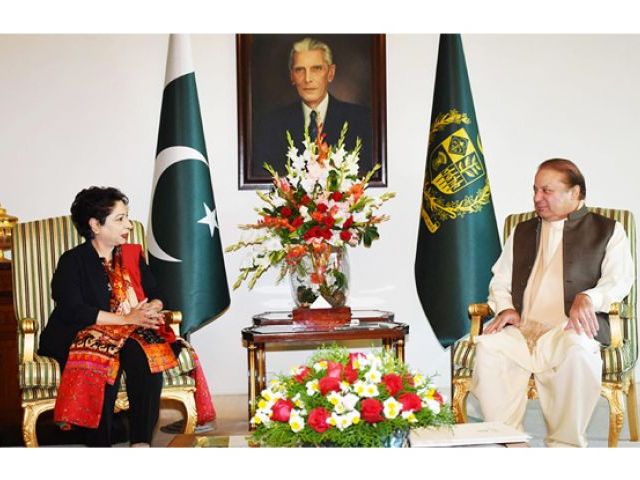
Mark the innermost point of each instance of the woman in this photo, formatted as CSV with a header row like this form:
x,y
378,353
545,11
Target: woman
x,y
107,320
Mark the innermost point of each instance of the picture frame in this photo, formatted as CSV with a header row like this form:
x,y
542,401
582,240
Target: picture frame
x,y
265,86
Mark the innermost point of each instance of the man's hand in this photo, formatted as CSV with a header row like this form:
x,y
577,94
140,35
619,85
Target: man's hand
x,y
506,317
582,316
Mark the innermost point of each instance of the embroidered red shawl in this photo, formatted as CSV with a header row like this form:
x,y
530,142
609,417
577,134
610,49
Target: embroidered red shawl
x,y
94,355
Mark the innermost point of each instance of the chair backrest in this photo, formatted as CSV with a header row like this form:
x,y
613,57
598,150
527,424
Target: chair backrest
x,y
37,246
625,217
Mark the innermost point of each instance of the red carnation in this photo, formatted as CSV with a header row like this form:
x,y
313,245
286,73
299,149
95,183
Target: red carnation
x,y
297,222
285,211
370,410
438,398
345,235
325,233
322,207
302,376
393,382
410,402
336,196
318,419
282,410
347,223
305,200
329,221
329,384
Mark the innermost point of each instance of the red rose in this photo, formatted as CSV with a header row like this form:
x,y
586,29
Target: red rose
x,y
305,200
318,419
297,222
334,370
322,207
325,233
410,402
393,382
350,373
336,196
285,211
370,410
282,410
329,221
348,222
345,235
329,384
302,376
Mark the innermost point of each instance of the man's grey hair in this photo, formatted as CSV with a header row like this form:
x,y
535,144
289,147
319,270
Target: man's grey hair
x,y
307,44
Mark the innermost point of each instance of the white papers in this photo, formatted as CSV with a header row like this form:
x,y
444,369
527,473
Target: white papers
x,y
467,434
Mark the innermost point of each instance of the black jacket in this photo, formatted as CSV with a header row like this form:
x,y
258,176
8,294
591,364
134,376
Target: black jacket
x,y
80,290
270,140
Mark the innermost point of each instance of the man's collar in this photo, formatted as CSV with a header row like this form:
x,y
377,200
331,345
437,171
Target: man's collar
x,y
578,214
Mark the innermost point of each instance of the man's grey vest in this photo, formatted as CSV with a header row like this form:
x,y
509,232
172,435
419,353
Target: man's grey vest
x,y
584,242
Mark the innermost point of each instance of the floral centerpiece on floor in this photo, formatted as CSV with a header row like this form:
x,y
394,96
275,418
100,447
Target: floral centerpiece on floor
x,y
347,399
309,218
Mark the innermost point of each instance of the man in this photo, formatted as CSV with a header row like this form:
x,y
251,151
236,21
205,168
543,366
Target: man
x,y
311,70
555,272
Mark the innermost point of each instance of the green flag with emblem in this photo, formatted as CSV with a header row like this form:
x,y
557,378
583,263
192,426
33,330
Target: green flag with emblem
x,y
458,238
185,249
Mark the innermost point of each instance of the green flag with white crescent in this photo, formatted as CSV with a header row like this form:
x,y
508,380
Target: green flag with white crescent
x,y
458,238
185,249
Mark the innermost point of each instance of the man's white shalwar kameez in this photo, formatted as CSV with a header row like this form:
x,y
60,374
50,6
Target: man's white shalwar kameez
x,y
567,367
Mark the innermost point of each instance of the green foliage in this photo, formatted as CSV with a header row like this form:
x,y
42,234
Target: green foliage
x,y
358,434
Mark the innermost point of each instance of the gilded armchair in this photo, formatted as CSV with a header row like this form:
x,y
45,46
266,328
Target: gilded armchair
x,y
36,248
619,358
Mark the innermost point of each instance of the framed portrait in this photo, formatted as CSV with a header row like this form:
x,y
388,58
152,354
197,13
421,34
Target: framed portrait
x,y
272,100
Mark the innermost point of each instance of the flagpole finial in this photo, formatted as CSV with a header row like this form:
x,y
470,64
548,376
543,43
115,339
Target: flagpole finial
x,y
179,61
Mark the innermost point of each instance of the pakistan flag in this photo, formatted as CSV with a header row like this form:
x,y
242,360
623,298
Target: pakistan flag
x,y
183,235
458,238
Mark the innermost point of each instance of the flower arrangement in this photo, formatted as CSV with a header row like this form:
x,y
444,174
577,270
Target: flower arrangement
x,y
346,399
317,209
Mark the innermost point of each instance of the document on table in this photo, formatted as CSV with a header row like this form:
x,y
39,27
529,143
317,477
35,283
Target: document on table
x,y
467,434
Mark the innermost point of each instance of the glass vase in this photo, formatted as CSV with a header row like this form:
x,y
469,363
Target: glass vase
x,y
322,273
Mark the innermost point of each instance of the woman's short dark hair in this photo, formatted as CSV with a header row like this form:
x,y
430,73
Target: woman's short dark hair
x,y
572,174
94,202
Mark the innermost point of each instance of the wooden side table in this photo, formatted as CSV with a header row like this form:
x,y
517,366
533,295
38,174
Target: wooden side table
x,y
10,409
278,328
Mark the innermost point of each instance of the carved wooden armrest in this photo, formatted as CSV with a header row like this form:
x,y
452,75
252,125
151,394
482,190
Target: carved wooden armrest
x,y
617,312
28,328
173,319
477,311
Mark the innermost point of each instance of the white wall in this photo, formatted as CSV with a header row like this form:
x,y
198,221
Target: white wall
x,y
78,110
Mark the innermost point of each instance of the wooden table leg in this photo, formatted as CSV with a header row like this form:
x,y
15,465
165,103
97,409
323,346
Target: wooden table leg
x,y
262,367
252,379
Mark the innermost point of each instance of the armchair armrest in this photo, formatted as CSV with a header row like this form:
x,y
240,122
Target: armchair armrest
x,y
28,328
477,311
617,312
173,319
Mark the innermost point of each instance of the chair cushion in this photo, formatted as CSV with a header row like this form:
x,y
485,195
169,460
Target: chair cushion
x,y
44,372
615,361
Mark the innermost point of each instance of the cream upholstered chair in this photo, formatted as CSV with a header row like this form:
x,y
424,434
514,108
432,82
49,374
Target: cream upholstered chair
x,y
619,358
36,248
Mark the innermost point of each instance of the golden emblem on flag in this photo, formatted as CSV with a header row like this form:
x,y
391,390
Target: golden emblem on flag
x,y
453,166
